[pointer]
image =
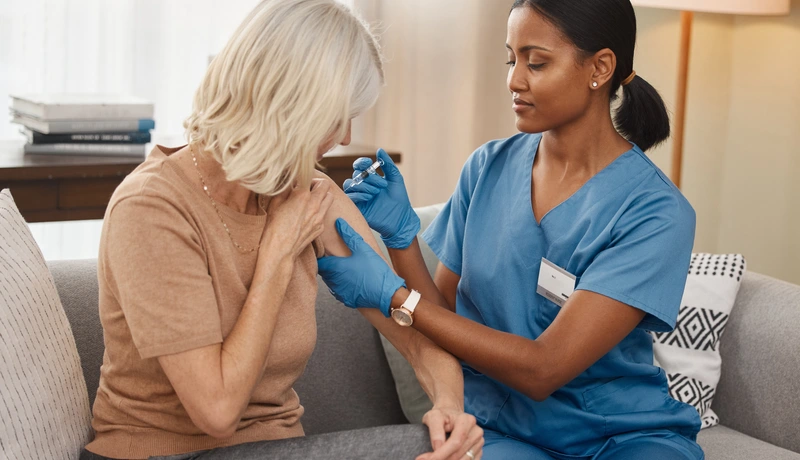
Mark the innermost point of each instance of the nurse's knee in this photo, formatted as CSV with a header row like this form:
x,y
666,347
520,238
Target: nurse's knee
x,y
499,447
651,449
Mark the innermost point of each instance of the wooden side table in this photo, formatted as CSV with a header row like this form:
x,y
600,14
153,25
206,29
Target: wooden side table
x,y
50,188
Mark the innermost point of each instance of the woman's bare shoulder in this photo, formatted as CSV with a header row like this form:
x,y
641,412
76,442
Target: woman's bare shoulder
x,y
344,208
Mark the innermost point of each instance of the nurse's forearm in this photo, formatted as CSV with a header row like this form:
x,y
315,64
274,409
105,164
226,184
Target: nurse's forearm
x,y
511,359
588,326
410,265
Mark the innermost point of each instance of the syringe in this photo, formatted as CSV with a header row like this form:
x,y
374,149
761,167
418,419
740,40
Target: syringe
x,y
364,174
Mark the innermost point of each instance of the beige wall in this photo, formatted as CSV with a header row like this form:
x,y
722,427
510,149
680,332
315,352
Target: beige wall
x,y
762,164
742,151
446,93
446,96
707,117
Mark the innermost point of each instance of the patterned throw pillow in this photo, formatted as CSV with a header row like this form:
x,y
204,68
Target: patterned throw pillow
x,y
690,353
43,398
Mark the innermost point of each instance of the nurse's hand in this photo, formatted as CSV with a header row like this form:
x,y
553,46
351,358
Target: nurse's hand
x,y
363,280
465,435
384,202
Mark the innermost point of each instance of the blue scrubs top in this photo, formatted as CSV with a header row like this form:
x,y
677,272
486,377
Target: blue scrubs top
x,y
626,234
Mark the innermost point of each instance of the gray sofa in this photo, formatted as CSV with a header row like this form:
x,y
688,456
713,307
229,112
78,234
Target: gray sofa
x,y
348,383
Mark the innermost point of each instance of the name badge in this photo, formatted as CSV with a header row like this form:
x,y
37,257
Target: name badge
x,y
555,283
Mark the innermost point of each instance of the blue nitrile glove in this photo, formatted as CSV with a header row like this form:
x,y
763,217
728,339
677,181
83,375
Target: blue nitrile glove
x,y
384,202
363,280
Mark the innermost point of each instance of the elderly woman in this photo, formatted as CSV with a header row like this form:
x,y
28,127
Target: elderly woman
x,y
208,259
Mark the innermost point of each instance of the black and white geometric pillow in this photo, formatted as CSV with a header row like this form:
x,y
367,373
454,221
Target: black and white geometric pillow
x,y
690,353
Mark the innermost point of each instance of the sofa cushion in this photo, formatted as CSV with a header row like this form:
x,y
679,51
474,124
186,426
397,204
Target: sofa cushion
x,y
723,443
44,402
690,353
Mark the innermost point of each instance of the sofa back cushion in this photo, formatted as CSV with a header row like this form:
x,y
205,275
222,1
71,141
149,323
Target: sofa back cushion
x,y
42,392
347,383
758,389
76,281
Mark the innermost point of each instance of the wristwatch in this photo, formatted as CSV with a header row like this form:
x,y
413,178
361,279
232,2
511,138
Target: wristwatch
x,y
404,315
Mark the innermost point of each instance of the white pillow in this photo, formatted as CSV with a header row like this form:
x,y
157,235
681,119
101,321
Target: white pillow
x,y
690,353
43,398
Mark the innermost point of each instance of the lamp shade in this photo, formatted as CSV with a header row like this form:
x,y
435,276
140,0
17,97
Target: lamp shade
x,y
749,7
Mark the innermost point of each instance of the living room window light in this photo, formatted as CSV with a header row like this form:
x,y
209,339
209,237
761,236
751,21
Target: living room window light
x,y
149,48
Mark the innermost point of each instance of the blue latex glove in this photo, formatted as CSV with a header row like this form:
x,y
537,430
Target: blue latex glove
x,y
363,280
384,202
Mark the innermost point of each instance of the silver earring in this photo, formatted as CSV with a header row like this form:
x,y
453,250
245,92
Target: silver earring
x,y
594,84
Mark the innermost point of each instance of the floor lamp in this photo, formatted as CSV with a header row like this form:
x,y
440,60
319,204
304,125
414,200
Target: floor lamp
x,y
687,9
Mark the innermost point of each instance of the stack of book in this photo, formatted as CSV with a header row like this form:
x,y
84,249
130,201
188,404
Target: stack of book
x,y
84,124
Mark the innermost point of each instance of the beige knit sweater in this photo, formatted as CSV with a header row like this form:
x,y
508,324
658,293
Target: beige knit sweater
x,y
170,281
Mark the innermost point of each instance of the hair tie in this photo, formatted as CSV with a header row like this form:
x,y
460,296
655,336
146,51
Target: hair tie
x,y
627,81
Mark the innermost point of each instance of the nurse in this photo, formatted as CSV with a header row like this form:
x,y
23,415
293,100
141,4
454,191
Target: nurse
x,y
560,249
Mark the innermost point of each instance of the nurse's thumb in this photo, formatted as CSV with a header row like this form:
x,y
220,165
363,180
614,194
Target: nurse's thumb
x,y
351,238
389,168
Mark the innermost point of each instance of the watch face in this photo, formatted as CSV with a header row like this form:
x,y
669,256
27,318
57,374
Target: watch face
x,y
401,316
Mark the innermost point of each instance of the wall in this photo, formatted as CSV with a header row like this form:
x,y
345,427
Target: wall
x,y
445,94
742,151
760,193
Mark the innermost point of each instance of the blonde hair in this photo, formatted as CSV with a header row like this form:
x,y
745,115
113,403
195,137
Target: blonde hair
x,y
291,77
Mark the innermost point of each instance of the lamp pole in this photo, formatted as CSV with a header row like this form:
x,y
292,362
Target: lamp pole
x,y
680,108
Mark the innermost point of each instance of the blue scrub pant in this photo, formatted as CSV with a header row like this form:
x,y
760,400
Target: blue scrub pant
x,y
663,447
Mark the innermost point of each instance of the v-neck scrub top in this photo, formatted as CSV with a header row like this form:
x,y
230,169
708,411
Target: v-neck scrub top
x,y
626,234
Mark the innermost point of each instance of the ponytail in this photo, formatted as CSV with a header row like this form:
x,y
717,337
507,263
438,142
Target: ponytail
x,y
642,117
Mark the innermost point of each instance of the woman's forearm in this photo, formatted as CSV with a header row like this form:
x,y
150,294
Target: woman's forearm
x,y
214,383
244,352
439,373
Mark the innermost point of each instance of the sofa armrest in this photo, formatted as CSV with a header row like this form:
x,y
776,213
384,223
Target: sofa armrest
x,y
758,389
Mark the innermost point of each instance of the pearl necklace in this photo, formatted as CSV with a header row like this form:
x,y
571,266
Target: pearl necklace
x,y
214,204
